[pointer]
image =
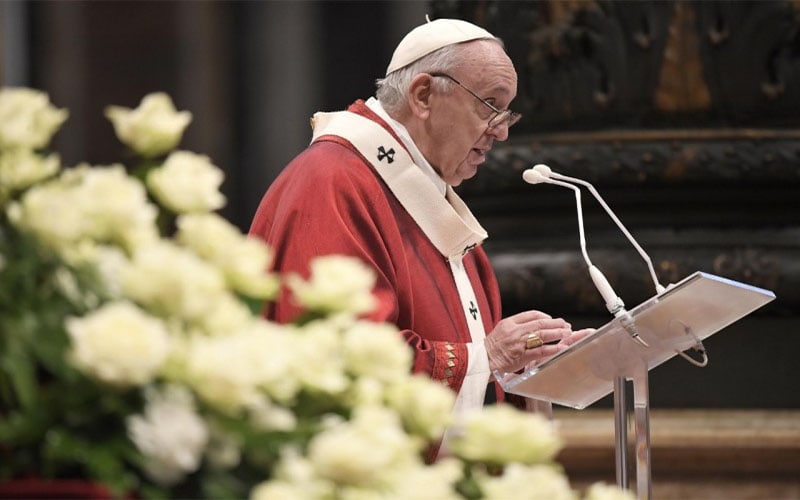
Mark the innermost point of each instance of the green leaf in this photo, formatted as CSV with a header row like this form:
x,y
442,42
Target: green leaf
x,y
19,369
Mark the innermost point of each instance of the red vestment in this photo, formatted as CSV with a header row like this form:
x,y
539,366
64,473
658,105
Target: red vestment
x,y
330,200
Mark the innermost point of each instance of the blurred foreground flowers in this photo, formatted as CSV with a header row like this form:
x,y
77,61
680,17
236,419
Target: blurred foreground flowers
x,y
133,354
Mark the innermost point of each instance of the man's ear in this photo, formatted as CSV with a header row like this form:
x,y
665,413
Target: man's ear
x,y
419,95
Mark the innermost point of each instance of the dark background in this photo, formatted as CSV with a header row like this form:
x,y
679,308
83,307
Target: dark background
x,y
683,114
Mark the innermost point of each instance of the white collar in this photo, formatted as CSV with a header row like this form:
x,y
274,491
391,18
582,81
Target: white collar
x,y
408,142
445,220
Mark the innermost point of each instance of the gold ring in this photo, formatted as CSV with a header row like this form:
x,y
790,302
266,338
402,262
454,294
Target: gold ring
x,y
534,341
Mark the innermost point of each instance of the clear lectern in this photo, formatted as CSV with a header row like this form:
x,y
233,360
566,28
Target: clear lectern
x,y
669,323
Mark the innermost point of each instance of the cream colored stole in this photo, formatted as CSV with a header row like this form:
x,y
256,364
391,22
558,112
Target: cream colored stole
x,y
446,221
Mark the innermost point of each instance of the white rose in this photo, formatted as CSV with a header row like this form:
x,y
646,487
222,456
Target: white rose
x,y
27,119
502,434
226,315
114,203
285,490
173,281
187,183
119,344
101,204
377,350
268,416
431,482
220,370
338,284
364,391
319,362
237,371
51,212
109,263
602,491
171,435
538,482
293,466
243,260
22,168
153,128
425,406
364,451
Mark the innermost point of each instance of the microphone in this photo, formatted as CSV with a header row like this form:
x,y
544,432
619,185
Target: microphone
x,y
547,173
543,174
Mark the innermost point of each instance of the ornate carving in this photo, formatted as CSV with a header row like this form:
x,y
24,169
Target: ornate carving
x,y
682,86
721,157
559,282
595,64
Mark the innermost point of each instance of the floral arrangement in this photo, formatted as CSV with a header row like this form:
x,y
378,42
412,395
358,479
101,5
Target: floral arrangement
x,y
133,353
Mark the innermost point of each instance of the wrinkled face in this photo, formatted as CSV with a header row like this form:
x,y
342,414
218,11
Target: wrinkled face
x,y
457,130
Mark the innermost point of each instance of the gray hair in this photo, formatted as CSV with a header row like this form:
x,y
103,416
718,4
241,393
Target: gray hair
x,y
392,89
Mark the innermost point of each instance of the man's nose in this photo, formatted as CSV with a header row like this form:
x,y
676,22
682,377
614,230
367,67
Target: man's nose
x,y
499,131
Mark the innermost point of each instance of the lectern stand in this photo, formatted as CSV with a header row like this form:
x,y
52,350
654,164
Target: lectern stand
x,y
669,323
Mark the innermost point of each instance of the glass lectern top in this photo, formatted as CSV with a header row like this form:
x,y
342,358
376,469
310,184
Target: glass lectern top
x,y
671,322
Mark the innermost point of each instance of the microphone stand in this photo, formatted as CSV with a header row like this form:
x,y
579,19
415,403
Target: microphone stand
x,y
543,174
615,305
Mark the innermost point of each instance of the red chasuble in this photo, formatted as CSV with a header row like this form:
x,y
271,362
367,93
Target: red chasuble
x,y
331,200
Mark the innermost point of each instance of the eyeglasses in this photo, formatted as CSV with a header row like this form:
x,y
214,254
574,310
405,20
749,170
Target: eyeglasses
x,y
500,115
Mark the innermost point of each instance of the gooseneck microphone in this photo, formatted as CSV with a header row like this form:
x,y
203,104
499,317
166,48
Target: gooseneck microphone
x,y
543,174
546,172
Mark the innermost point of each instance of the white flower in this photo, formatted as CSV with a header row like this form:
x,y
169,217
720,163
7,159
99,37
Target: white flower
x,y
364,391
338,284
286,490
173,281
294,478
115,204
268,416
364,451
243,260
119,344
538,482
52,212
187,183
237,371
429,482
502,434
170,434
425,406
27,119
101,204
320,364
153,128
226,315
109,262
602,491
22,168
377,350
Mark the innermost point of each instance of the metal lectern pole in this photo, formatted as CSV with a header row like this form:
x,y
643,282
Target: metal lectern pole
x,y
641,409
621,432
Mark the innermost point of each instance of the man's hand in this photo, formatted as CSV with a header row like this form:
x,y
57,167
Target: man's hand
x,y
506,345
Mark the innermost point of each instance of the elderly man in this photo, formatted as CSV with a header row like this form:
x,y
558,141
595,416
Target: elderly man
x,y
377,183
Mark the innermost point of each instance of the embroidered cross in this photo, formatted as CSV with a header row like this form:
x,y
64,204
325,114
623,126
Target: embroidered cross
x,y
473,310
382,153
